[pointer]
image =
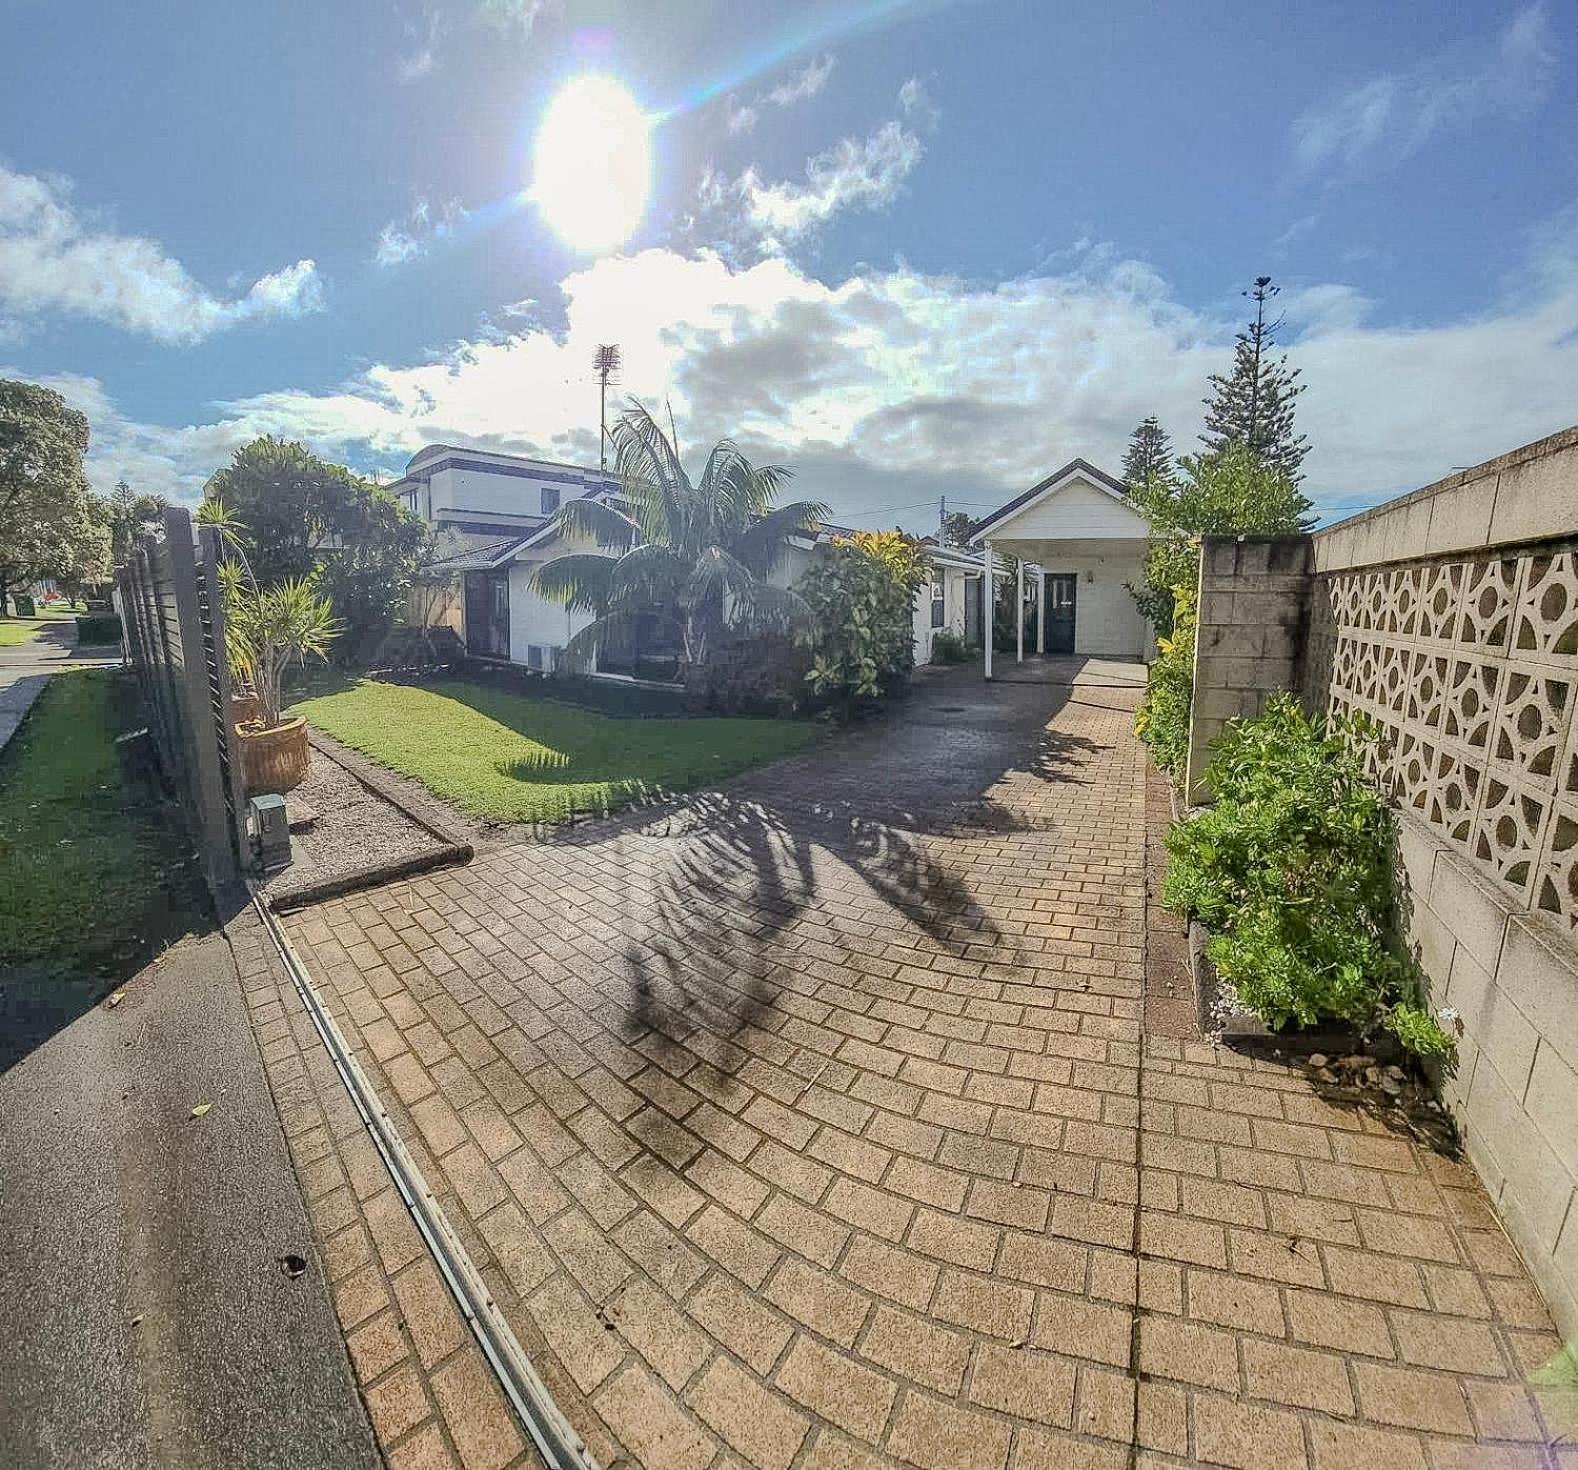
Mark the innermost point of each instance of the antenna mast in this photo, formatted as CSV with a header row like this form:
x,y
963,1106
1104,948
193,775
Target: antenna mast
x,y
606,361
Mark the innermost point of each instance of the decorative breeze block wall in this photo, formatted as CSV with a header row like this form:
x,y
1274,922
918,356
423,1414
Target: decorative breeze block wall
x,y
1470,667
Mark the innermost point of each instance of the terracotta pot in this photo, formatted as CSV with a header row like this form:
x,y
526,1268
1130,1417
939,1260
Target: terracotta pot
x,y
245,706
274,760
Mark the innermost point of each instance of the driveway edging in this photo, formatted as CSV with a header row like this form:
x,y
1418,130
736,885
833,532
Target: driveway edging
x,y
561,1447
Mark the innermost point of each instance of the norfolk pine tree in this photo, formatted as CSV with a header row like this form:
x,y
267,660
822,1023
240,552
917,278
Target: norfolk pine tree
x,y
1149,455
1253,404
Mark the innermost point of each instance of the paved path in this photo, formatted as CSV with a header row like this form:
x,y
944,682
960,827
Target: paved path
x,y
810,1126
145,1318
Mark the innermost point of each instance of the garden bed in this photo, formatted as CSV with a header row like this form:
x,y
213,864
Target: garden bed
x,y
346,834
1225,1018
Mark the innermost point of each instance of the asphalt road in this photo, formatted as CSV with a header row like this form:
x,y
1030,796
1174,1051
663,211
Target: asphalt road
x,y
145,1316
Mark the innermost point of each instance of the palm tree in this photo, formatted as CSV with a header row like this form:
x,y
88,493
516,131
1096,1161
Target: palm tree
x,y
694,556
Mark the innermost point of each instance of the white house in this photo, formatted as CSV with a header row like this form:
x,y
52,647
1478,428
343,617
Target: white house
x,y
1080,543
491,514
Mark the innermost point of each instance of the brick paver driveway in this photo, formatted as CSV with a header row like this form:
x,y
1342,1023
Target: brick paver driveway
x,y
800,1126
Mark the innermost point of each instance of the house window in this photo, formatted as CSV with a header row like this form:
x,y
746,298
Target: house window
x,y
550,500
938,604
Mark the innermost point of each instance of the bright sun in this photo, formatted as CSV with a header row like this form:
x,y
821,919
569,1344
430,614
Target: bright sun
x,y
590,170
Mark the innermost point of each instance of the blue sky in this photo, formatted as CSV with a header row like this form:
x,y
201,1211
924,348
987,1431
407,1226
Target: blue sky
x,y
910,249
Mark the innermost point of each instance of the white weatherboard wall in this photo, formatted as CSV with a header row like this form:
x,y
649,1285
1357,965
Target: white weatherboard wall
x,y
533,618
952,609
1077,526
1078,511
1107,624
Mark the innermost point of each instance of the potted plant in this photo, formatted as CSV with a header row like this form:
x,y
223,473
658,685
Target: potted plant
x,y
266,631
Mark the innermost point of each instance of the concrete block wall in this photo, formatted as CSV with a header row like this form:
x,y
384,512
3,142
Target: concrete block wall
x,y
1249,639
1512,977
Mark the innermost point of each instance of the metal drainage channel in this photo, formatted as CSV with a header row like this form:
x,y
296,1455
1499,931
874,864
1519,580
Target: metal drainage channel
x,y
558,1443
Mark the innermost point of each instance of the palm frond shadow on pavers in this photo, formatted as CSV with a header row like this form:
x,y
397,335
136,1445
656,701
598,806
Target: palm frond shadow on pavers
x,y
804,1123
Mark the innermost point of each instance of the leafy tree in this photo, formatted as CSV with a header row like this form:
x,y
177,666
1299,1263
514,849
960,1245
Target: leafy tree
x,y
132,515
1233,492
861,592
305,518
1230,493
1149,455
46,518
86,562
1253,405
956,528
693,557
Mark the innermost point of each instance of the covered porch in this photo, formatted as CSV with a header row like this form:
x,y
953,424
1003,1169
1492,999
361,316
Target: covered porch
x,y
1077,544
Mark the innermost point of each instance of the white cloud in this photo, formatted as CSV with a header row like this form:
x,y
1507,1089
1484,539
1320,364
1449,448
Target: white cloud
x,y
53,259
515,15
404,239
742,117
864,173
422,57
802,84
894,386
916,104
1389,117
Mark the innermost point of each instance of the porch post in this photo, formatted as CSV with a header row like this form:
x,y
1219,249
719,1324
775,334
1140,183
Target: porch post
x,y
988,597
1019,613
1041,610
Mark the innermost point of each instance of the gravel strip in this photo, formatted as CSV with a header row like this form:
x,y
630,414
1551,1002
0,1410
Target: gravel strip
x,y
355,829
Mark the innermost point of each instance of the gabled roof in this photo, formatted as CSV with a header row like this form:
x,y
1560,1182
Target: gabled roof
x,y
550,530
1081,468
471,551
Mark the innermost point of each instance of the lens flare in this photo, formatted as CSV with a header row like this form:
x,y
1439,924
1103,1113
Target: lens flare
x,y
592,164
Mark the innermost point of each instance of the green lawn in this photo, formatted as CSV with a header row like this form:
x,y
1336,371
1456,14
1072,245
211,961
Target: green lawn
x,y
93,874
15,631
514,758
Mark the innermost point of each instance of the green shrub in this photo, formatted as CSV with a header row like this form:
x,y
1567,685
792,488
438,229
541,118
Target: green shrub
x,y
1291,870
1170,562
1163,718
761,675
861,592
948,647
99,628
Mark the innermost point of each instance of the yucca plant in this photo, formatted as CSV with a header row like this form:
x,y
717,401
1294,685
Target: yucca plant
x,y
695,556
266,630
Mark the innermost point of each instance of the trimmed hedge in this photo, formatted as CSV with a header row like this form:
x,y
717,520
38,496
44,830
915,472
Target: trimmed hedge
x,y
99,628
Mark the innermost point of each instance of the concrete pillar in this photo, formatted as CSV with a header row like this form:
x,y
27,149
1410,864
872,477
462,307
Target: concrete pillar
x,y
988,598
1019,613
1041,610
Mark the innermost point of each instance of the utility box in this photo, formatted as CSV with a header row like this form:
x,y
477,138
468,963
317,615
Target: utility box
x,y
270,832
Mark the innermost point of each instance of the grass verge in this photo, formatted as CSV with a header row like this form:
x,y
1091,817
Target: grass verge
x,y
94,873
514,758
16,631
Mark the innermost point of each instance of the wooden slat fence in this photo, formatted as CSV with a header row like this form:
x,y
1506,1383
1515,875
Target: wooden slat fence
x,y
174,623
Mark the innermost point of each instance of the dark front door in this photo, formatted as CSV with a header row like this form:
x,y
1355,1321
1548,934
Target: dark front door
x,y
1061,589
488,614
